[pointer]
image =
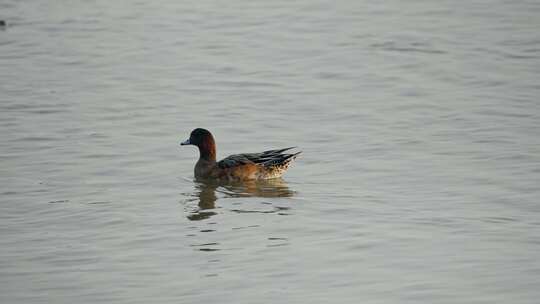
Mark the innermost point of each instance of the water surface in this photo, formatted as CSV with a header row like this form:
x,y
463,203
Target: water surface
x,y
419,122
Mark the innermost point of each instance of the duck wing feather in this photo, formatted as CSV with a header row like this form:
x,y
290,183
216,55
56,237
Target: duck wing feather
x,y
267,158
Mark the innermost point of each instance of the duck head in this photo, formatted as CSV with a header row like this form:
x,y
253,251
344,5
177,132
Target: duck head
x,y
204,140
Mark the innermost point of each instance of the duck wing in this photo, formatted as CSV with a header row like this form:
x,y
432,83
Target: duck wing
x,y
233,161
267,159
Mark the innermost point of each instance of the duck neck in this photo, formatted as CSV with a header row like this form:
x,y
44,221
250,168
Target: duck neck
x,y
207,150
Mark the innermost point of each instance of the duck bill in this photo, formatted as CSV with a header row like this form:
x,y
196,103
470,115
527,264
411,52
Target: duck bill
x,y
184,143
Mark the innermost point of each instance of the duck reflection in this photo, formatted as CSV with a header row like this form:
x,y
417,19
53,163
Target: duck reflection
x,y
207,193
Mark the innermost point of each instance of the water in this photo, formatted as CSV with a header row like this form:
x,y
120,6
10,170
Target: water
x,y
419,122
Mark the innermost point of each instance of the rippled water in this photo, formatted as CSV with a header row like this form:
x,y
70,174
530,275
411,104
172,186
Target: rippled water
x,y
419,122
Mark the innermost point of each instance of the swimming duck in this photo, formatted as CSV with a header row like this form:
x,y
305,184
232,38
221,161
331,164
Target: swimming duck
x,y
248,166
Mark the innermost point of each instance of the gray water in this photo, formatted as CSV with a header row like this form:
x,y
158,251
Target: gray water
x,y
419,123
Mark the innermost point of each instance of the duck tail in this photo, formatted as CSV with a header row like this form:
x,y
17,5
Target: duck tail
x,y
278,163
281,160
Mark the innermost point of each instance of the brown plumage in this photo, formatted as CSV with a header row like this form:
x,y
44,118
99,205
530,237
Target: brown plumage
x,y
247,166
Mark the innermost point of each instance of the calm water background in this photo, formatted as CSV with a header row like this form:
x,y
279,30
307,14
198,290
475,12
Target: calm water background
x,y
419,122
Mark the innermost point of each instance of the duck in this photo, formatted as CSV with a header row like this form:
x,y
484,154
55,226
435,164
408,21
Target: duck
x,y
238,167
